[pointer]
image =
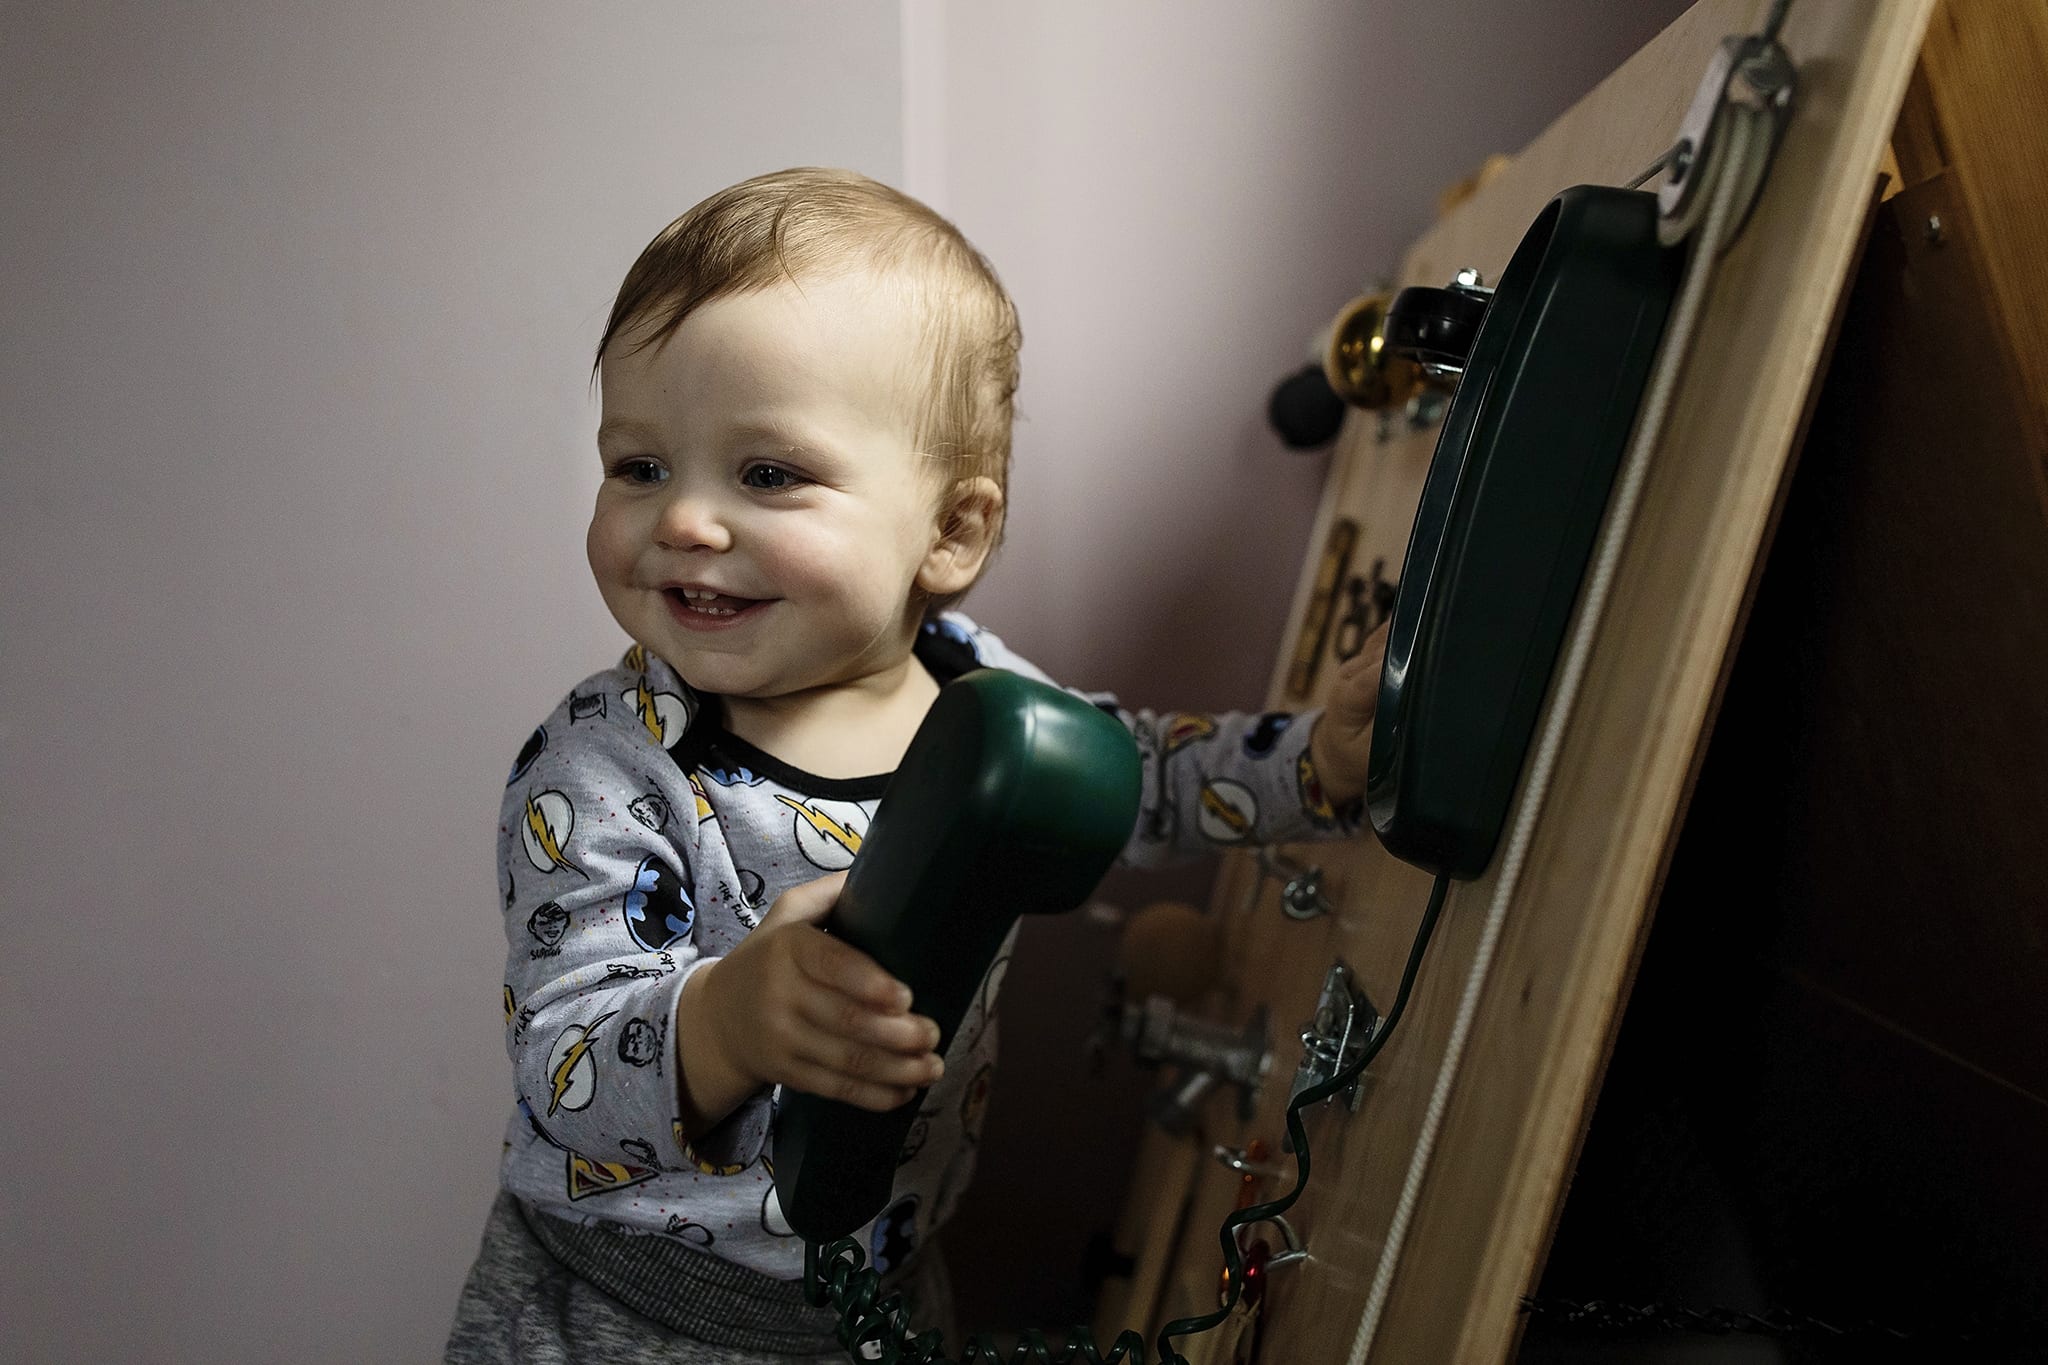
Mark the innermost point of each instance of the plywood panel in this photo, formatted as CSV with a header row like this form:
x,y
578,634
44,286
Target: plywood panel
x,y
1573,932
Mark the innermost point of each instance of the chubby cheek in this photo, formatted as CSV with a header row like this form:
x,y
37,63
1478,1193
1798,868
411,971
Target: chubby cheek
x,y
851,566
609,546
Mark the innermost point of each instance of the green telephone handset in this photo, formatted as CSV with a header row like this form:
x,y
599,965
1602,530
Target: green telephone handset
x,y
1013,798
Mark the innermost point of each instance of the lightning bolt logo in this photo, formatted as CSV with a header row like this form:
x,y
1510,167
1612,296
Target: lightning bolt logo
x,y
508,1004
643,706
550,819
1228,811
827,833
1222,810
703,800
574,1083
636,659
825,825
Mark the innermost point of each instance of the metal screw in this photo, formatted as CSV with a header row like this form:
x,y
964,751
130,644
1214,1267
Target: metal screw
x,y
1681,160
1469,278
1935,233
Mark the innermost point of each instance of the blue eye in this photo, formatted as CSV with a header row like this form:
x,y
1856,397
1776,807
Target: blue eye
x,y
645,472
768,478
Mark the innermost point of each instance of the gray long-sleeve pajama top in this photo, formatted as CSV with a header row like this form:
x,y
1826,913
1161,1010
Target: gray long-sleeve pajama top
x,y
640,840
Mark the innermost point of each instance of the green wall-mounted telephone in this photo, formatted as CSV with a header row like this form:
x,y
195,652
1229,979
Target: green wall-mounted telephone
x,y
1508,516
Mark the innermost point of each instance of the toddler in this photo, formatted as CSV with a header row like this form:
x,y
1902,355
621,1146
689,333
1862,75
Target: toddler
x,y
806,384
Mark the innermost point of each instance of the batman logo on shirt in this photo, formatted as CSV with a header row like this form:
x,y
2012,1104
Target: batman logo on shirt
x,y
1263,736
659,910
535,743
895,1235
954,631
732,775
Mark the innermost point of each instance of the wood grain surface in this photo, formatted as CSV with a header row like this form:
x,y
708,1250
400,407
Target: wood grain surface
x,y
1576,924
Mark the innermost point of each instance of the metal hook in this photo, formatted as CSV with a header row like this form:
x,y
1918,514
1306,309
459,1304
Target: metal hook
x,y
1288,1237
1301,895
1236,1159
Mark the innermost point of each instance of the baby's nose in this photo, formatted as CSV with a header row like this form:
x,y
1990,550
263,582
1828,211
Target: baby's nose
x,y
690,522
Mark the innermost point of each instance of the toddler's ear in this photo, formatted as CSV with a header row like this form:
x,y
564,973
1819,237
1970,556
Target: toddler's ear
x,y
970,521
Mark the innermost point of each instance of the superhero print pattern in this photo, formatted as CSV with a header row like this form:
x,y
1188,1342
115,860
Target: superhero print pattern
x,y
894,1239
664,715
659,910
572,1068
1229,812
1320,812
635,845
1181,731
550,820
827,833
1260,740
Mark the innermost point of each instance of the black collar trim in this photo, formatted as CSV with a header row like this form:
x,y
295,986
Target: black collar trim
x,y
708,745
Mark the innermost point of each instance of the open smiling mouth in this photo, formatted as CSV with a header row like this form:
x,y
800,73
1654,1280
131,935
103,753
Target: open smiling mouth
x,y
698,608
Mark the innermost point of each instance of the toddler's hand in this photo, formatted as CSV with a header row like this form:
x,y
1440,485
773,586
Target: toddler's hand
x,y
793,1006
1342,743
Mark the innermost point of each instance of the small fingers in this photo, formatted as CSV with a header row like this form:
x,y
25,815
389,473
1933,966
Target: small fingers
x,y
831,1085
857,1070
847,1021
843,969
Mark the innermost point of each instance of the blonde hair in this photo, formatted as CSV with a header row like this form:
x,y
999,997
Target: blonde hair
x,y
815,223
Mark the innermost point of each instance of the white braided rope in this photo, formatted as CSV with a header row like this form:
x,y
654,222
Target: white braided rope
x,y
1744,139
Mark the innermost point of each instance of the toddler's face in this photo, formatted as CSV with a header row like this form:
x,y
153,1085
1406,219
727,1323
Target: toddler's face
x,y
763,514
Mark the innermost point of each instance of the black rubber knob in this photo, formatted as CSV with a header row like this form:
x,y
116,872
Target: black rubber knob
x,y
1305,410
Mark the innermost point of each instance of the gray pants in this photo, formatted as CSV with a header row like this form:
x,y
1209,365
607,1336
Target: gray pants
x,y
522,1304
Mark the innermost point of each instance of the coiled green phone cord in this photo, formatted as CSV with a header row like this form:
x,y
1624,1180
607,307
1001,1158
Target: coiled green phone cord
x,y
876,1327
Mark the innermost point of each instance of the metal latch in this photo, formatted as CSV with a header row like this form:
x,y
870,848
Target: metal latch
x,y
1344,1023
1301,894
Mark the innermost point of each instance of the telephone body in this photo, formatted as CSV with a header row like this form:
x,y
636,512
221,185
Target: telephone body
x,y
1509,512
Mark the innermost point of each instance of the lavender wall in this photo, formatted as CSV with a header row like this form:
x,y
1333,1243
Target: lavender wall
x,y
300,299
294,452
